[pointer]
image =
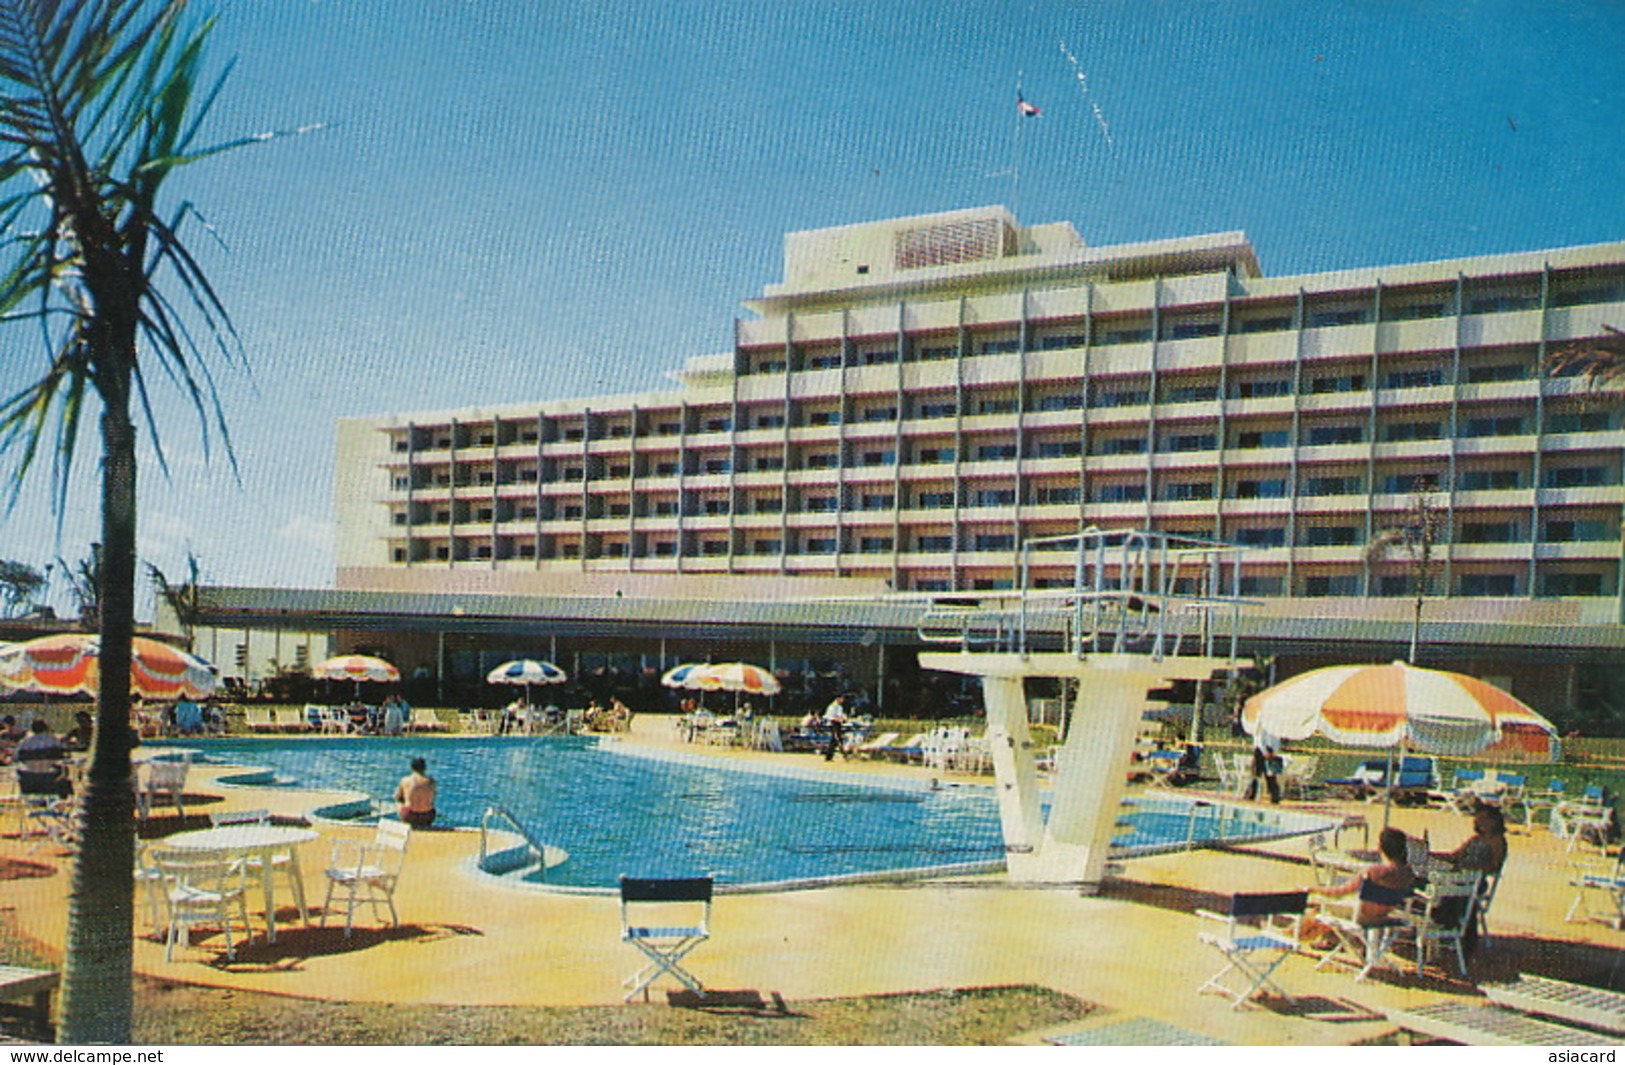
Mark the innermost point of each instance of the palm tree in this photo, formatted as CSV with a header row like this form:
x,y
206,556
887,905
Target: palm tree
x,y
1417,539
182,598
1601,359
100,101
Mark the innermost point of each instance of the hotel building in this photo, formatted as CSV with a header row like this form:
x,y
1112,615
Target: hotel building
x,y
920,396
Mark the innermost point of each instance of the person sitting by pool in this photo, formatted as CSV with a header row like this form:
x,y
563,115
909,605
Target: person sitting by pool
x,y
415,795
620,716
188,718
40,770
81,735
11,734
1391,873
1484,851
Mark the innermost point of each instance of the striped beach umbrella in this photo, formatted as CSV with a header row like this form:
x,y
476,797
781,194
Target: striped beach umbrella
x,y
677,676
734,677
67,664
1396,705
527,671
357,668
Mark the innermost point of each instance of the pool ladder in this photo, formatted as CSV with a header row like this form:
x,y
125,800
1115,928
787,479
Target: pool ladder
x,y
499,814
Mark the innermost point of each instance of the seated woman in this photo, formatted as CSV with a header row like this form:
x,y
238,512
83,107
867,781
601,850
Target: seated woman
x,y
1391,873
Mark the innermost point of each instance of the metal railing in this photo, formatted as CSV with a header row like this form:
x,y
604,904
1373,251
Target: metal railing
x,y
501,813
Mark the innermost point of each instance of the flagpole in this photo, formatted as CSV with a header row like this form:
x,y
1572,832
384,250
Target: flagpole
x,y
1015,162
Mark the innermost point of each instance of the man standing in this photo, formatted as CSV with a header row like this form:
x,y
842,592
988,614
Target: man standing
x,y
415,795
1266,764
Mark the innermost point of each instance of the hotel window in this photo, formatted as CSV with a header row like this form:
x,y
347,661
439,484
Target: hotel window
x,y
570,473
398,554
1502,302
1120,493
442,517
570,550
1593,421
770,421
1339,316
1274,536
995,452
1191,394
1342,383
999,347
1064,401
933,543
935,500
879,458
529,435
767,547
1275,386
1328,536
527,475
572,511
1489,480
483,514
1188,491
1489,532
1190,330
939,351
1497,371
403,484
1262,586
994,542
821,504
933,456
995,497
877,502
665,548
1060,449
824,362
718,425
770,462
1331,486
527,513
716,506
1268,488
1423,378
620,472
769,505
880,358
932,584
527,550
398,518
1325,435
1403,431
1508,426
714,548
1191,442
1394,585
823,460
1574,584
574,434
668,429
874,545
1067,340
717,466
1406,483
1336,584
1262,324
442,553
1410,312
995,406
938,410
880,414
1127,397
819,545
665,508
1261,438
1488,585
1122,445
1567,531
1578,477
615,549
1125,336
1050,496
824,417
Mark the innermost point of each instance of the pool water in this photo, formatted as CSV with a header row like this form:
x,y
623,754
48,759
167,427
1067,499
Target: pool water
x,y
779,824
653,817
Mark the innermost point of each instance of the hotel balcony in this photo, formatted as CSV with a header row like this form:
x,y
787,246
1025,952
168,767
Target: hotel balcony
x,y
1512,551
1260,407
1262,348
1603,550
1338,341
1495,445
1502,328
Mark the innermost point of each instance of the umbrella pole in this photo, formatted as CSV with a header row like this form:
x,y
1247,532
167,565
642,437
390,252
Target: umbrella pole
x,y
1388,786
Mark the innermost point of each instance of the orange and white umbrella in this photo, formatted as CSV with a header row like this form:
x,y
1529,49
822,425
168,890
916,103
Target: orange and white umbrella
x,y
1395,705
730,677
357,668
67,664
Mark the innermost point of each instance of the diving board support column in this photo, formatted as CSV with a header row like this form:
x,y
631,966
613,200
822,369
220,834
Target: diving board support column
x,y
1091,771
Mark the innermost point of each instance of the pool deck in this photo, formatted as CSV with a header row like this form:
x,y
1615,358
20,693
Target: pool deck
x,y
1132,950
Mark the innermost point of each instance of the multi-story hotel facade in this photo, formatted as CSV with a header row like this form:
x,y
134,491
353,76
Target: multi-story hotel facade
x,y
921,396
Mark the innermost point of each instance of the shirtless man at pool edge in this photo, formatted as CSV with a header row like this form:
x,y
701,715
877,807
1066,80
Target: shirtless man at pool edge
x,y
415,795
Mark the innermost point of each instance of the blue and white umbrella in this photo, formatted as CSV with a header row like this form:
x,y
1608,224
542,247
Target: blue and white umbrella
x,y
527,671
678,676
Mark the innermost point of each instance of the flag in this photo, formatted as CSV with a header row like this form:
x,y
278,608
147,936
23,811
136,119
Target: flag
x,y
1028,110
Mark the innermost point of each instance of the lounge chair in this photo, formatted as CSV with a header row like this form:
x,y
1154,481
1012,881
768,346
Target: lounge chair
x,y
1298,776
424,719
1598,878
291,719
1261,931
164,778
767,736
258,719
875,746
910,750
667,943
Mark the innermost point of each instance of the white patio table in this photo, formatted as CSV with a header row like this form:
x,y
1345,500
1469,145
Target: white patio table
x,y
251,841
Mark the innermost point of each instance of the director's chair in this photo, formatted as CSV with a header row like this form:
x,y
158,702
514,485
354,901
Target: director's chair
x,y
1261,930
665,945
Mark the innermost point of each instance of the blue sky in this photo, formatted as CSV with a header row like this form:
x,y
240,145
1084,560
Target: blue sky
x,y
497,176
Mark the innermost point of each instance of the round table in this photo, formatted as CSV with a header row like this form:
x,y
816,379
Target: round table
x,y
260,841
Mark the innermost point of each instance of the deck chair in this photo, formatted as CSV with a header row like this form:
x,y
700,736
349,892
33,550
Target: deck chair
x,y
202,887
424,719
768,737
1592,878
1365,945
366,874
877,745
1261,930
258,719
665,945
1299,775
1441,912
283,861
164,778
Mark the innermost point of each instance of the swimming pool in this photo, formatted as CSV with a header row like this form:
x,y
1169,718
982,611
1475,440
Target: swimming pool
x,y
620,809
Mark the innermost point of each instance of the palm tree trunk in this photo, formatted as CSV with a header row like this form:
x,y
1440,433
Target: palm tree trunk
x,y
97,996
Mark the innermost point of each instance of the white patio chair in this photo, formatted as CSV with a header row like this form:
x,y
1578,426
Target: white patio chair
x,y
1595,877
202,888
366,874
164,778
1261,931
282,861
683,909
1441,912
1357,944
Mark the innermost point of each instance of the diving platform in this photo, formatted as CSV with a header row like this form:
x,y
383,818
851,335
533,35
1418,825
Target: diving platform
x,y
1143,609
